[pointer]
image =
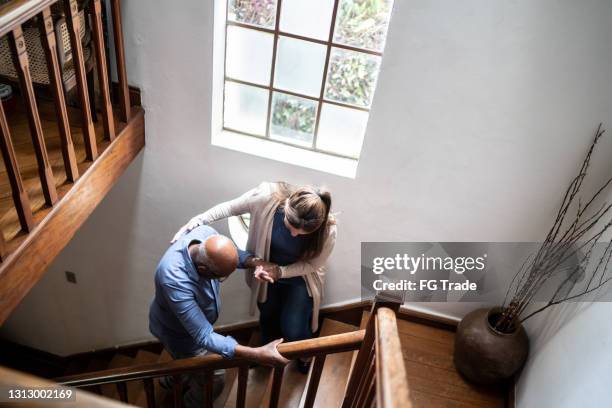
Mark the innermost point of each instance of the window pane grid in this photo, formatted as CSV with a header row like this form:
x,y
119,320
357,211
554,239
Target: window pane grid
x,y
321,100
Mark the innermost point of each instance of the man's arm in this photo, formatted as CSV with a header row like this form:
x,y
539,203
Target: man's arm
x,y
182,303
184,306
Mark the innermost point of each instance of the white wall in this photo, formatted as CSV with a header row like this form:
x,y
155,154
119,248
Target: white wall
x,y
482,113
571,360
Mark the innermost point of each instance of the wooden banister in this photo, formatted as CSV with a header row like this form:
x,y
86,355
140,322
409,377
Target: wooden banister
x,y
19,269
378,378
17,12
392,387
378,374
304,348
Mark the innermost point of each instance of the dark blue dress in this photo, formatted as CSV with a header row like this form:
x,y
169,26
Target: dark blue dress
x,y
287,311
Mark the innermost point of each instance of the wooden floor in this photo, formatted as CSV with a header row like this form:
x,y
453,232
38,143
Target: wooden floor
x,y
432,377
22,142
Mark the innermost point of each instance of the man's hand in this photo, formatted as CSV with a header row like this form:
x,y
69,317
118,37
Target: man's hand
x,y
269,354
266,355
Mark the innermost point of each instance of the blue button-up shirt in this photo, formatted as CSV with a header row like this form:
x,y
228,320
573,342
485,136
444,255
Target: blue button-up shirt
x,y
186,304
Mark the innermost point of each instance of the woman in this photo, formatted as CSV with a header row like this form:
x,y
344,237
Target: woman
x,y
291,235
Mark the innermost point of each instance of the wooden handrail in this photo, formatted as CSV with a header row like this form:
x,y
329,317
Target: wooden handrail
x,y
392,386
16,12
305,348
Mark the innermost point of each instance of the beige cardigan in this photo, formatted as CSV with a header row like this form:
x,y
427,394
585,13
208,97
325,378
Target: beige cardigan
x,y
260,203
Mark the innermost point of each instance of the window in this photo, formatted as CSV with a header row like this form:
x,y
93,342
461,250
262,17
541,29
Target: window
x,y
239,229
303,73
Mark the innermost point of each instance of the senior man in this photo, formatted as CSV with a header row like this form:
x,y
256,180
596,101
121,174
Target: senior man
x,y
187,303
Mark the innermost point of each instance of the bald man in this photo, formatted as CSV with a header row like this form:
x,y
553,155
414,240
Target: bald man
x,y
187,303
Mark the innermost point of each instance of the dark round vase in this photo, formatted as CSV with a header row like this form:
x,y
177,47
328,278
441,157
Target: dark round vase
x,y
485,355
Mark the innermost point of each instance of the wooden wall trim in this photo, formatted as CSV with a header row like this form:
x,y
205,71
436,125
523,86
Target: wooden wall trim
x,y
25,266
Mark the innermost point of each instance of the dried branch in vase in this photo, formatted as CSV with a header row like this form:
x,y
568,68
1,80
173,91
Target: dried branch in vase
x,y
570,236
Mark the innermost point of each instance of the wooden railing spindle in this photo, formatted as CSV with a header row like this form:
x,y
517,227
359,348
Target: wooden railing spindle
x,y
20,195
208,388
150,392
371,394
366,379
22,66
177,391
277,382
49,43
122,390
361,363
2,247
243,376
71,9
98,40
124,92
313,380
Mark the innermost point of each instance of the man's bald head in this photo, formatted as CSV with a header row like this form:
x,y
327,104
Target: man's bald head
x,y
216,257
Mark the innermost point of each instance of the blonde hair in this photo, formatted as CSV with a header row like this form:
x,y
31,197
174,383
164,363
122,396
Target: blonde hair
x,y
307,208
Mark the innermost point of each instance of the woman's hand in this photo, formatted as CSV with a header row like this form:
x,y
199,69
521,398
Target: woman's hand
x,y
261,275
185,229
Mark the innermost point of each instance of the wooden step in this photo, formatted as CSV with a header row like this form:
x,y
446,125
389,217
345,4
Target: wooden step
x,y
256,387
335,370
118,361
163,397
428,358
292,388
136,394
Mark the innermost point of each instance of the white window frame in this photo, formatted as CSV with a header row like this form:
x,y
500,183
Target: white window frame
x,y
258,145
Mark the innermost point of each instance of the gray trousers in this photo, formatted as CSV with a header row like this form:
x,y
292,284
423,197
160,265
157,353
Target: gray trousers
x,y
193,383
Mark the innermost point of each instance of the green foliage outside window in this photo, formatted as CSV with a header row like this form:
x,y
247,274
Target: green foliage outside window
x,y
362,23
351,77
293,116
257,12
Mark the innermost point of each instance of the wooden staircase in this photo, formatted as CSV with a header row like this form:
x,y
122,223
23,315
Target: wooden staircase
x,y
330,393
62,146
426,354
